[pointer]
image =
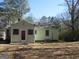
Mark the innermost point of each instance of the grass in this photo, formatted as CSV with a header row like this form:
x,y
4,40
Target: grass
x,y
41,51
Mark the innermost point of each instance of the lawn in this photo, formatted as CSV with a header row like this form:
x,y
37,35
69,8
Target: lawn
x,y
40,51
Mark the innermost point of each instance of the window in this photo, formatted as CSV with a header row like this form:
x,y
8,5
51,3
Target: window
x,y
15,31
47,33
35,31
30,32
18,19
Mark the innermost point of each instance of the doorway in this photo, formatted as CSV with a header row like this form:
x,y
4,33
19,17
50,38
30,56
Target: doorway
x,y
23,35
8,36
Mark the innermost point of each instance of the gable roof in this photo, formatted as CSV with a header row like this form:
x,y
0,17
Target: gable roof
x,y
23,22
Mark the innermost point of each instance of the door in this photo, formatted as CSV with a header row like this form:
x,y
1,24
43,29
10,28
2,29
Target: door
x,y
23,35
8,36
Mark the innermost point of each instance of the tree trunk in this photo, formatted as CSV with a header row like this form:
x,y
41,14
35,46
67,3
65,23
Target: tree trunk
x,y
73,25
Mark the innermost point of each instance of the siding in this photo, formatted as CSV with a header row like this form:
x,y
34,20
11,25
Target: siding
x,y
22,27
40,35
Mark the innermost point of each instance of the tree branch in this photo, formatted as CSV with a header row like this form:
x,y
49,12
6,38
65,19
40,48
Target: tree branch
x,y
69,8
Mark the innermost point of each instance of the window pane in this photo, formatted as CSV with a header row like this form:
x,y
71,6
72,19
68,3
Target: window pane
x,y
15,31
47,32
30,32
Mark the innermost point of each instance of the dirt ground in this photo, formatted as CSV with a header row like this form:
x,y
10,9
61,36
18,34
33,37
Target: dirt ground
x,y
40,51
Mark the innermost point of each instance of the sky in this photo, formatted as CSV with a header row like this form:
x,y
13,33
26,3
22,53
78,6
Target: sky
x,y
1,0
47,8
39,8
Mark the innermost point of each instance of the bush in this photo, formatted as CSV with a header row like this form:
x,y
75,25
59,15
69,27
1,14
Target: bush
x,y
70,36
7,41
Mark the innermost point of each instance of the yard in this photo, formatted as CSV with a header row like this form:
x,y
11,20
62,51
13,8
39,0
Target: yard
x,y
40,51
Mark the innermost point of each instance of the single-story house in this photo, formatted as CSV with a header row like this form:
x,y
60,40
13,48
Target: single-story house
x,y
22,32
43,33
25,32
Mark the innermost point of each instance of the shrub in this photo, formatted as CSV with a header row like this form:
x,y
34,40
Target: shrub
x,y
70,36
7,41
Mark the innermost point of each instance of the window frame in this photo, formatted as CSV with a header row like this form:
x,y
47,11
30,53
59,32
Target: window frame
x,y
15,31
30,31
46,32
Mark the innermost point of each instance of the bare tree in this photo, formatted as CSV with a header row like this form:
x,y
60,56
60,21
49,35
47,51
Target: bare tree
x,y
72,6
43,19
65,19
71,16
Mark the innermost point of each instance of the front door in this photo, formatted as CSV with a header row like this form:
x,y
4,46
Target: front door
x,y
8,36
23,35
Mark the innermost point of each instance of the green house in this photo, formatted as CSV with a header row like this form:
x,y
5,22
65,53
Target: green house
x,y
46,32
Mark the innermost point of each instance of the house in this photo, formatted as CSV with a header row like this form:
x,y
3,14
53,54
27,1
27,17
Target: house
x,y
25,32
46,32
21,32
2,34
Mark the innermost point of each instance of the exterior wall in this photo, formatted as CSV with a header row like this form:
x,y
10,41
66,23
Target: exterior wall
x,y
40,35
55,33
22,27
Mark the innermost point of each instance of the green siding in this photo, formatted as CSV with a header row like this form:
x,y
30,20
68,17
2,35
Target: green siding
x,y
40,35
